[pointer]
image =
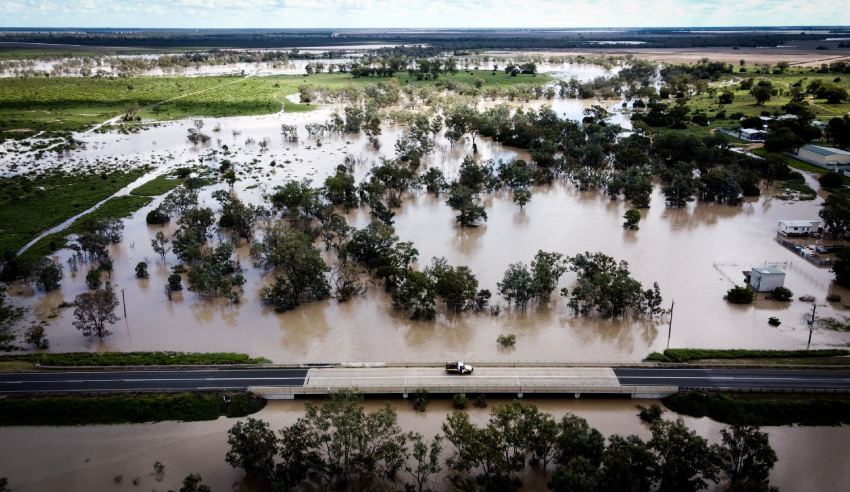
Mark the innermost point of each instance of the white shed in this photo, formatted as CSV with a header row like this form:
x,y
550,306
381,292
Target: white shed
x,y
799,227
826,157
766,278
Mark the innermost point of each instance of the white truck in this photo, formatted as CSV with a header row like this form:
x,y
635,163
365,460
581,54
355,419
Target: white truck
x,y
458,368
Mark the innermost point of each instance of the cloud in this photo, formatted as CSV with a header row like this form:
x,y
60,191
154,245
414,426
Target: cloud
x,y
404,13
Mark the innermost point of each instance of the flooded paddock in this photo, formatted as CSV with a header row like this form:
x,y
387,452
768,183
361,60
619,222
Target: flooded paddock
x,y
695,253
91,457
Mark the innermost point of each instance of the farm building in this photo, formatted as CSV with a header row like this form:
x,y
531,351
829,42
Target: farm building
x,y
826,157
799,227
766,278
751,134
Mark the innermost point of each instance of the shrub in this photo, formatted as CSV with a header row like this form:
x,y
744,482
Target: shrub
x,y
781,294
651,413
774,321
700,119
831,179
740,295
157,217
460,401
833,298
506,340
480,401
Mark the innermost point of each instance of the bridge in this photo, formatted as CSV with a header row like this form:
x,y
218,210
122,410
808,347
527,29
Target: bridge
x,y
291,382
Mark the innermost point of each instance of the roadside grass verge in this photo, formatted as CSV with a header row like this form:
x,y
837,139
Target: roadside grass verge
x,y
763,408
692,355
29,205
133,359
124,408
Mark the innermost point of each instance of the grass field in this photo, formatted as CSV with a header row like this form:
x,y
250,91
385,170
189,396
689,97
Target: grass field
x,y
28,206
124,408
746,103
157,186
114,208
73,103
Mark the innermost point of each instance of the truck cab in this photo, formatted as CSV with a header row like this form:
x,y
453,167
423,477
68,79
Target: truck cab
x,y
459,367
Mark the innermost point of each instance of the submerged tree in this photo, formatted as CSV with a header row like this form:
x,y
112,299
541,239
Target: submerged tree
x,y
94,311
747,458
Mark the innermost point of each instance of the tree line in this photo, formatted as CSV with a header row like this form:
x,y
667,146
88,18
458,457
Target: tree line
x,y
338,445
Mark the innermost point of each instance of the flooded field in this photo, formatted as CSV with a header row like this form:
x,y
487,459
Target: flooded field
x,y
91,457
695,254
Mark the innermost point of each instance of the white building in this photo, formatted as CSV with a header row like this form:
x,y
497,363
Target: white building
x,y
799,227
751,134
826,157
766,278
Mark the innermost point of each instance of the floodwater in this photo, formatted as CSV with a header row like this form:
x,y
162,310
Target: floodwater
x,y
91,457
695,254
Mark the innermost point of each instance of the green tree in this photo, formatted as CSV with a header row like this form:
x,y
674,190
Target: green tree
x,y
142,270
684,462
740,295
416,295
297,265
627,465
426,460
835,213
340,190
192,483
517,285
632,217
521,197
546,270
160,244
576,475
49,274
747,458
253,447
577,439
457,285
841,267
762,92
95,310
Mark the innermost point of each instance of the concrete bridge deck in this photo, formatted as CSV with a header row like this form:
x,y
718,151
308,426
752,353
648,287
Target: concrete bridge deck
x,y
489,380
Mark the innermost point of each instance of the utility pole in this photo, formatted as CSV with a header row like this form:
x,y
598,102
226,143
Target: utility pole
x,y
124,303
670,322
811,324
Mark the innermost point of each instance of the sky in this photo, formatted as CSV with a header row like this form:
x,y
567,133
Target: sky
x,y
421,14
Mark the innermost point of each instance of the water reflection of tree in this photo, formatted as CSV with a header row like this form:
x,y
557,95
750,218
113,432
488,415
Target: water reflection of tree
x,y
701,214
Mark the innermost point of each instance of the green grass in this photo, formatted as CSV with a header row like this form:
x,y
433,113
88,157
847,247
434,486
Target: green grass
x,y
690,355
157,186
31,205
115,208
764,408
745,103
124,408
73,103
133,359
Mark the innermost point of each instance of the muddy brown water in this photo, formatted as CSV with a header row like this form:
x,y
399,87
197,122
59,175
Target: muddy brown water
x,y
90,457
695,254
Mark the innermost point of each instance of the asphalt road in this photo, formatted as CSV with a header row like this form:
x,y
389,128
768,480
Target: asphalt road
x,y
165,380
239,379
739,378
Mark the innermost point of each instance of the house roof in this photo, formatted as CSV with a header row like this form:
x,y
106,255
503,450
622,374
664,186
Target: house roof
x,y
768,270
817,149
801,223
